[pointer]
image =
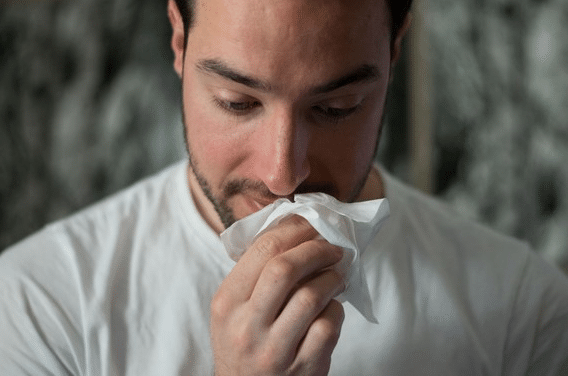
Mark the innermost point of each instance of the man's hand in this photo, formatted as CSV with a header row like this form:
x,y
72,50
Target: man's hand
x,y
274,314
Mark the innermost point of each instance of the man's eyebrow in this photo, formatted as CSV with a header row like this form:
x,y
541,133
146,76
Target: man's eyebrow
x,y
364,74
221,69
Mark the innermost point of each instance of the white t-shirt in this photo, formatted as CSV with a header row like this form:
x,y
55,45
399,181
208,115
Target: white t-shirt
x,y
123,288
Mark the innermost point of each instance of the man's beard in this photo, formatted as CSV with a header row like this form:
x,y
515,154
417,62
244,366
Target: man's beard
x,y
237,186
221,206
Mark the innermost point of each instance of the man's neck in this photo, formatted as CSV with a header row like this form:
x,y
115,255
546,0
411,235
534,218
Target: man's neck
x,y
374,187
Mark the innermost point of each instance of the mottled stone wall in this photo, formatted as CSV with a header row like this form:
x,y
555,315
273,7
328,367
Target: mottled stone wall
x,y
89,103
501,92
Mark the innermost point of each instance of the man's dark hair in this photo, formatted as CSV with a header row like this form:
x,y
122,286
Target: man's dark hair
x,y
398,8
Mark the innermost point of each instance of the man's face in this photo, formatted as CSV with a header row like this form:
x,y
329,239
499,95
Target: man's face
x,y
281,97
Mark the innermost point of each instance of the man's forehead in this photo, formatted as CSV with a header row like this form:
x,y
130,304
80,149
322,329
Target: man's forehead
x,y
293,45
300,9
279,20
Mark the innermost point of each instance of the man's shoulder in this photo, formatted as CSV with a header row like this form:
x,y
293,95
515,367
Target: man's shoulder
x,y
432,242
101,227
510,300
146,195
62,288
418,213
442,244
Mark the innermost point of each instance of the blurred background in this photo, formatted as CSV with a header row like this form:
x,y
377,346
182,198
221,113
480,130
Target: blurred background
x,y
478,111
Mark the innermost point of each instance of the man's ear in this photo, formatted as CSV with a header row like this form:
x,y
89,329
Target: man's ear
x,y
397,41
178,36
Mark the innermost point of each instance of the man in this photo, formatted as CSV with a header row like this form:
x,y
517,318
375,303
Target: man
x,y
279,97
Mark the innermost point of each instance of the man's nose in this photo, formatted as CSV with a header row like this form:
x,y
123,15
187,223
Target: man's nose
x,y
283,163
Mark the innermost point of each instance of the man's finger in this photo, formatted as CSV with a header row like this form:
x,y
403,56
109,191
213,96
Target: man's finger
x,y
320,341
288,234
283,273
305,305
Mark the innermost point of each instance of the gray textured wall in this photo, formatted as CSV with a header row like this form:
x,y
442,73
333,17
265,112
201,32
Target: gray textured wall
x,y
89,103
501,76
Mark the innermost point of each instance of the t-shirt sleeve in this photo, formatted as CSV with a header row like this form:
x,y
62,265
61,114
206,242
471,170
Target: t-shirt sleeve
x,y
39,332
537,342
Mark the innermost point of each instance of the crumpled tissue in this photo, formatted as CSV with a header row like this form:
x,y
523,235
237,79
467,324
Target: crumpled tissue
x,y
350,226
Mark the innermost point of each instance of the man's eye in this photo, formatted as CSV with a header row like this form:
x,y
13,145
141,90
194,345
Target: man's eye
x,y
334,114
238,108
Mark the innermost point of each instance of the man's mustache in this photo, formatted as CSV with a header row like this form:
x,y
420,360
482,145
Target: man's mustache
x,y
261,191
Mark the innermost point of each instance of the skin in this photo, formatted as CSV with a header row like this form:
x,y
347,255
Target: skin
x,y
281,97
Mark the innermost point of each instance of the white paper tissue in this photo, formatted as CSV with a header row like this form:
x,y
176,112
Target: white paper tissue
x,y
350,226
